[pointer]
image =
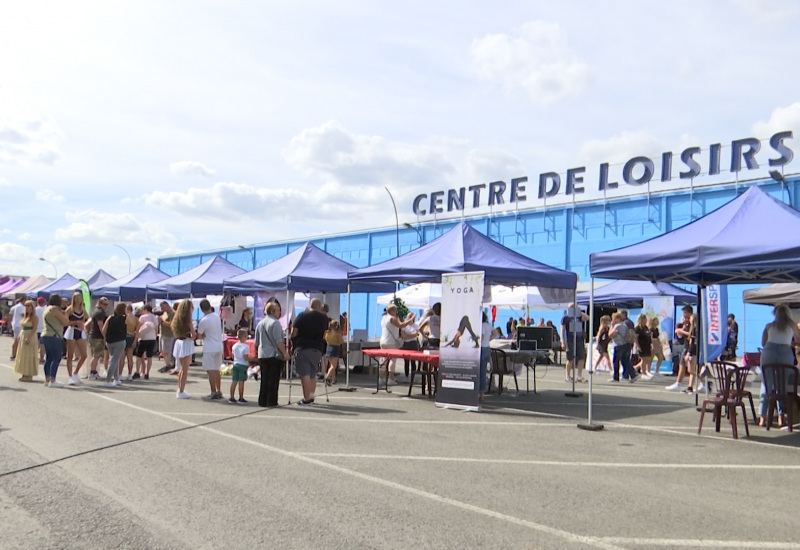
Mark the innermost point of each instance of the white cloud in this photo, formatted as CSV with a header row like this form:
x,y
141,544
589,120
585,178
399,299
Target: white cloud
x,y
769,12
4,182
91,226
48,195
621,147
27,140
536,59
484,165
354,159
191,168
24,237
782,118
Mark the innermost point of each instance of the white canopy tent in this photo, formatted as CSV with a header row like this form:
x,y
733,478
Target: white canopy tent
x,y
424,295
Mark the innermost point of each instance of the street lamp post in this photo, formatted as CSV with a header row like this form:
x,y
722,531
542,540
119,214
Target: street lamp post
x,y
420,238
51,263
396,220
780,178
254,254
128,255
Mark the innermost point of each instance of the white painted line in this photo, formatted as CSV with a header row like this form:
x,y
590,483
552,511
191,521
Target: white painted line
x,y
701,543
566,535
560,463
317,417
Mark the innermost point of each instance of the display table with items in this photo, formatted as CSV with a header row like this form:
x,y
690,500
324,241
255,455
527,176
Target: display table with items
x,y
230,341
429,360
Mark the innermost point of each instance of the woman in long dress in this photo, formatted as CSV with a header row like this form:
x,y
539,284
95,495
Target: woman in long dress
x,y
26,363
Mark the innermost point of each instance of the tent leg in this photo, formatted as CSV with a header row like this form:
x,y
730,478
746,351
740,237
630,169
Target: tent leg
x,y
347,386
574,324
589,425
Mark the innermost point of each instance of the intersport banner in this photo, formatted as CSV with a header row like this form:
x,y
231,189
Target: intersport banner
x,y
715,322
459,351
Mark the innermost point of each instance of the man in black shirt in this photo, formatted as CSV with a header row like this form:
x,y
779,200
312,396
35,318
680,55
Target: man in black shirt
x,y
308,337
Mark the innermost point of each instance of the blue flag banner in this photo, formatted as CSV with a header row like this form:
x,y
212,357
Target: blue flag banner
x,y
715,318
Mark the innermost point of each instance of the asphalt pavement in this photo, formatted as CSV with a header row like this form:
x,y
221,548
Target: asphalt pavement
x,y
134,467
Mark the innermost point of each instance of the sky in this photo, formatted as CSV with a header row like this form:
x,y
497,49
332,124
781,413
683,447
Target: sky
x,y
155,128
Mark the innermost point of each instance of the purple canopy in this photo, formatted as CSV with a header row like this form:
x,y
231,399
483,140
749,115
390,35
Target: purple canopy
x,y
466,249
132,286
99,278
751,238
630,293
202,280
10,285
60,285
307,269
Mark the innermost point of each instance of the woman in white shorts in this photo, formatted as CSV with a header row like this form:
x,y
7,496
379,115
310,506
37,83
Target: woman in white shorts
x,y
76,338
183,348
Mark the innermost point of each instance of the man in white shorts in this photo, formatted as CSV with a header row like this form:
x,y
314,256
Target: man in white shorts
x,y
209,328
16,314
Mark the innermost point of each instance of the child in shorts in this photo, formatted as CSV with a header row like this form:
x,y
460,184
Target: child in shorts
x,y
241,358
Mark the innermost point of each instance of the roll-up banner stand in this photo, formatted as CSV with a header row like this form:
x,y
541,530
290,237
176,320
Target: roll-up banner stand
x,y
460,352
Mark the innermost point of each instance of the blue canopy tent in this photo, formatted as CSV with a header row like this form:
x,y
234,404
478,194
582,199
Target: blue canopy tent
x,y
308,269
60,285
461,249
752,238
202,280
132,286
629,294
96,280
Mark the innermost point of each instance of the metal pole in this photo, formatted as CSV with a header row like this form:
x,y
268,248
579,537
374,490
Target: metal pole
x,y
128,255
573,326
347,352
589,425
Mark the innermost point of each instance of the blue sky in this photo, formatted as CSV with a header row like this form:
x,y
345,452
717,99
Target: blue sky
x,y
178,126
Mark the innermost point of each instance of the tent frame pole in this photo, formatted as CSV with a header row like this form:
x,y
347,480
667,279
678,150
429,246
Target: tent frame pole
x,y
589,424
347,387
289,315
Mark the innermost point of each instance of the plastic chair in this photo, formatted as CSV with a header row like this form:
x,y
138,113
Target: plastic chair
x,y
501,366
731,380
781,382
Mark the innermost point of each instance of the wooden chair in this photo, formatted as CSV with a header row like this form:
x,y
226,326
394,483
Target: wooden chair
x,y
427,374
501,366
781,382
731,380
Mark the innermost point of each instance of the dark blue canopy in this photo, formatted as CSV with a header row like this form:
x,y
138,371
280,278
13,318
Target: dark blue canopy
x,y
202,280
60,285
98,279
466,249
307,269
751,238
132,286
630,293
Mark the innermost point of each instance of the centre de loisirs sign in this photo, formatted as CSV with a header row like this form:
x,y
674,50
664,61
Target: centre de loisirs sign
x,y
636,172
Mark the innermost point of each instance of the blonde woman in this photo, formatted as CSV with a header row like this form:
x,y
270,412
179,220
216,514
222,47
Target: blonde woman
x,y
602,340
25,362
644,345
184,333
658,348
76,338
52,337
777,343
131,330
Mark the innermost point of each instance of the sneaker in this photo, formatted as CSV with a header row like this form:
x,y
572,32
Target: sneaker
x,y
56,385
647,376
391,382
46,384
183,395
217,395
118,381
615,380
147,377
242,400
674,387
77,378
232,400
136,376
164,369
94,376
688,390
634,378
111,384
701,388
304,403
208,397
70,381
129,378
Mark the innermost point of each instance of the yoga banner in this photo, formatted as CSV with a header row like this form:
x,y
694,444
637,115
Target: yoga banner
x,y
663,309
459,351
715,322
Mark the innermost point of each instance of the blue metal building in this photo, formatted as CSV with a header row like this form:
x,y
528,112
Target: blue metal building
x,y
561,236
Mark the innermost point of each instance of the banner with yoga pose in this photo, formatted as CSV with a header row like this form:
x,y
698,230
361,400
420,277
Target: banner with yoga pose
x,y
460,349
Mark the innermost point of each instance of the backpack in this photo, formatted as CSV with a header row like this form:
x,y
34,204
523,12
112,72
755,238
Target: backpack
x,y
630,336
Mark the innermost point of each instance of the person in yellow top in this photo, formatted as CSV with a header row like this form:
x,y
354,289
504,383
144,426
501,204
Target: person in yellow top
x,y
334,341
54,322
